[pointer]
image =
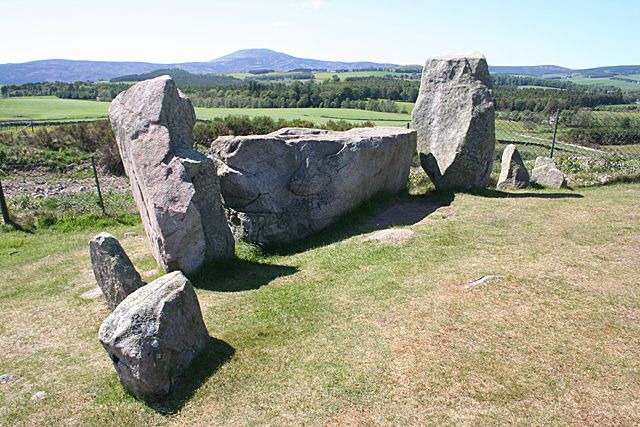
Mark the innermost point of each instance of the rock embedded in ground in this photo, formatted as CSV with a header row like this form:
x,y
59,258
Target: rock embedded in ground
x,y
393,235
546,173
454,116
92,293
154,335
284,186
8,378
114,272
175,187
483,281
38,395
513,172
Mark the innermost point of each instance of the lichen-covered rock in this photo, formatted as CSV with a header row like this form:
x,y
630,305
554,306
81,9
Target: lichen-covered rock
x,y
513,172
175,188
455,119
114,272
154,335
284,186
546,173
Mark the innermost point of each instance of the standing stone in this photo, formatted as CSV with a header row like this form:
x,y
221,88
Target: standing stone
x,y
455,119
546,173
513,172
113,270
175,187
154,335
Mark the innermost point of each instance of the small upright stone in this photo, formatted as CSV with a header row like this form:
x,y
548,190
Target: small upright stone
x,y
175,187
154,335
455,120
513,172
546,173
113,270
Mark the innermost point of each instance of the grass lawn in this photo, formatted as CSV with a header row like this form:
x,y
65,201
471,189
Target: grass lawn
x,y
52,108
342,331
46,108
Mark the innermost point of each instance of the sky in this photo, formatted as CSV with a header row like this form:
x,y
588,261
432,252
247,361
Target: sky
x,y
570,33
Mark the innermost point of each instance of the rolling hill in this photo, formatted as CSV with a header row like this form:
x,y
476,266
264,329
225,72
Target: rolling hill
x,y
241,61
247,60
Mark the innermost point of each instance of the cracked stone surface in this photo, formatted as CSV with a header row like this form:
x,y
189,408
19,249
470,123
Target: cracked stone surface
x,y
284,186
154,335
176,188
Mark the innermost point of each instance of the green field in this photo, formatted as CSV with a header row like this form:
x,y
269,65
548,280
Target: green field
x,y
44,108
588,81
316,115
51,108
324,75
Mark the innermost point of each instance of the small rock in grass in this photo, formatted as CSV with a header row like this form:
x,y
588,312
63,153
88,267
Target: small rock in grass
x,y
92,294
546,173
130,234
8,378
391,235
482,281
38,395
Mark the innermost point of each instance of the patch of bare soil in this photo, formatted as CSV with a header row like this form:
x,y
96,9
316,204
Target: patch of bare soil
x,y
43,184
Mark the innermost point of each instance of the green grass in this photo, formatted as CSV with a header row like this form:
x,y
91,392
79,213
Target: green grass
x,y
50,108
342,331
324,75
54,109
316,115
624,85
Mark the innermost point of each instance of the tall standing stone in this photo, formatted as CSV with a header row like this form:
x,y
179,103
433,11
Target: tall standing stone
x,y
455,120
113,270
513,172
176,188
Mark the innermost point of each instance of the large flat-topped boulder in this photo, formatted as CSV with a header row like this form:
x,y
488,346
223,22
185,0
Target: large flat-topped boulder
x,y
176,188
286,185
454,116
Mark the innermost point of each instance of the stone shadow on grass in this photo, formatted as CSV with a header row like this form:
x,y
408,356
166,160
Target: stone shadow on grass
x,y
498,194
238,275
377,214
211,359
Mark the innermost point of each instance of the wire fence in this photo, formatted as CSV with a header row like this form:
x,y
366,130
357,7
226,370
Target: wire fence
x,y
579,132
34,195
591,145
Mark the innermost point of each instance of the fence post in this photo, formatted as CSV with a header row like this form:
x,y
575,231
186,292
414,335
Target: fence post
x,y
555,132
95,175
3,207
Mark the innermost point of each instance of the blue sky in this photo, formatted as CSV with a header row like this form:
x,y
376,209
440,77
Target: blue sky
x,y
571,33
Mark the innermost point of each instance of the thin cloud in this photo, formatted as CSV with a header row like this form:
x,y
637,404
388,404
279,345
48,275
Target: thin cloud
x,y
308,4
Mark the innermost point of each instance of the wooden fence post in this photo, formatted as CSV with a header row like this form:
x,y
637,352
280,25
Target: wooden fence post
x,y
3,207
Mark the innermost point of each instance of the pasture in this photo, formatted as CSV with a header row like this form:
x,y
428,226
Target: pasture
x,y
45,108
341,331
55,109
604,81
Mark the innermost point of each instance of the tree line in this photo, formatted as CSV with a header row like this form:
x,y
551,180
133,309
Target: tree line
x,y
368,93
